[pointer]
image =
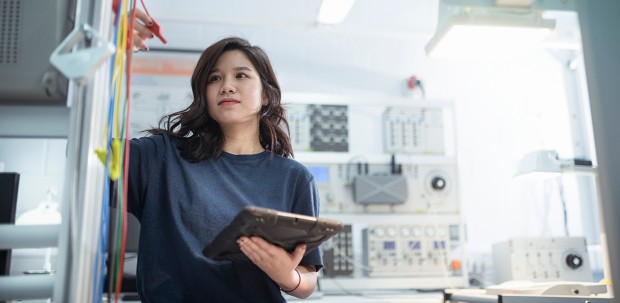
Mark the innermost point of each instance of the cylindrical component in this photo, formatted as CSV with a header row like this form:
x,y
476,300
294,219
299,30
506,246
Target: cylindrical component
x,y
28,236
574,261
438,183
26,287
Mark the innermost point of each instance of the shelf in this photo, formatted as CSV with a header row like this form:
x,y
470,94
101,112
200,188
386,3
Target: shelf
x,y
337,157
349,99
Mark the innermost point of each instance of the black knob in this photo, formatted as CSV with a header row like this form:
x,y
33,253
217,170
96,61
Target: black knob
x,y
438,183
574,261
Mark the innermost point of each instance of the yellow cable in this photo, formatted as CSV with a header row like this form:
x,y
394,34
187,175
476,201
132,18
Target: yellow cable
x,y
116,158
102,153
120,58
119,66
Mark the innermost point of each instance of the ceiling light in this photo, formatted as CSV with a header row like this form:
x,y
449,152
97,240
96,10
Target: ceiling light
x,y
334,11
488,33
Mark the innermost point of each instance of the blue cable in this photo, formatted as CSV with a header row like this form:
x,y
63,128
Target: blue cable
x,y
99,265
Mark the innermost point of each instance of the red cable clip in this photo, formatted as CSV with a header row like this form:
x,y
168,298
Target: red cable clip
x,y
155,29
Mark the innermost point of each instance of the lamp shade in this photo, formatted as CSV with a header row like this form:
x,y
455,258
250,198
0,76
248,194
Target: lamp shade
x,y
544,164
488,35
540,164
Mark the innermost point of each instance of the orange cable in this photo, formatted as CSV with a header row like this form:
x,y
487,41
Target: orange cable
x,y
129,51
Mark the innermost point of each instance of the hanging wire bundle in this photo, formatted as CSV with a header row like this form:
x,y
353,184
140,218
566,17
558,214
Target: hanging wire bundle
x,y
114,155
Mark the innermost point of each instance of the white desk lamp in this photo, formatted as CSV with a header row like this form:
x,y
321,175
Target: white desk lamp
x,y
544,164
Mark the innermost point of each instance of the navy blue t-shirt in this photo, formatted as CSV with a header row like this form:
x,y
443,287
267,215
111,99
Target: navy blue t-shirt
x,y
182,206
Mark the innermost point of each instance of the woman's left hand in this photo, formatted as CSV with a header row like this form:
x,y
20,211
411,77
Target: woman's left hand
x,y
275,261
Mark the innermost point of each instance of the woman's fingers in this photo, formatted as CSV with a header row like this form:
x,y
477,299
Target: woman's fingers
x,y
138,43
142,31
142,16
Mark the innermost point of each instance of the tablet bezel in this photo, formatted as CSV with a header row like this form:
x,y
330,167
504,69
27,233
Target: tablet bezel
x,y
280,228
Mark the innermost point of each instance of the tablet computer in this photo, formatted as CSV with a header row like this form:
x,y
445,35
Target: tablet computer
x,y
278,227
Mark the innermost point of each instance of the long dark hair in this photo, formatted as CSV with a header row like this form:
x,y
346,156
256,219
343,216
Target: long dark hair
x,y
201,134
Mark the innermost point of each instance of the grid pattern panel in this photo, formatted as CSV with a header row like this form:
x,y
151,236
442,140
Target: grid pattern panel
x,y
9,31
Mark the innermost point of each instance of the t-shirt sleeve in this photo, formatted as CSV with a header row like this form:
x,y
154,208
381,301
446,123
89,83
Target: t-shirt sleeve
x,y
307,203
145,157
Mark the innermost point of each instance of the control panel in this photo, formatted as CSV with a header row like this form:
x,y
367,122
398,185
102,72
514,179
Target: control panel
x,y
319,127
542,259
414,130
338,259
412,250
392,180
417,188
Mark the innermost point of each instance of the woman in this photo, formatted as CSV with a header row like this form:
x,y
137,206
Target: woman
x,y
191,177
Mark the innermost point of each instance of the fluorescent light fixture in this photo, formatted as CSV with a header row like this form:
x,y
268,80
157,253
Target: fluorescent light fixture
x,y
488,36
545,164
334,11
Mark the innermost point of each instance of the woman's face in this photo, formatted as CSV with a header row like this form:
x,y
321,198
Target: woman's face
x,y
234,90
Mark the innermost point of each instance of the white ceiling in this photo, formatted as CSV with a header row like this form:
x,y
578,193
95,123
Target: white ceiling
x,y
391,17
185,20
380,43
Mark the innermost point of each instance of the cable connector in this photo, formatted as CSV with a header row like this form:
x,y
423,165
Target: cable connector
x,y
115,168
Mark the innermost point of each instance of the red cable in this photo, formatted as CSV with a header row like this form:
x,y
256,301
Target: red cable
x,y
145,10
129,51
154,28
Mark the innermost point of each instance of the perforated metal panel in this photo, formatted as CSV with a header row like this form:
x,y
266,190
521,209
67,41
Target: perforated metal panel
x,y
10,18
30,30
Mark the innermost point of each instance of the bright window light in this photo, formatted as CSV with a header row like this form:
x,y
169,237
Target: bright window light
x,y
468,37
334,11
